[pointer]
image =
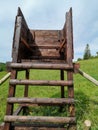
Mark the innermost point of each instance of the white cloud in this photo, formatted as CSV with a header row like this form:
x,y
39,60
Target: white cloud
x,y
50,14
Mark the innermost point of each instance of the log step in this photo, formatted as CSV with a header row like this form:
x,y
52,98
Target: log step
x,y
41,82
47,101
40,66
45,119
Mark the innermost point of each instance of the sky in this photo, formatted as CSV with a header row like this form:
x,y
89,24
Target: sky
x,y
50,14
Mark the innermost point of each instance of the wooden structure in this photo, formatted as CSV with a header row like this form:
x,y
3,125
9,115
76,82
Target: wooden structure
x,y
41,49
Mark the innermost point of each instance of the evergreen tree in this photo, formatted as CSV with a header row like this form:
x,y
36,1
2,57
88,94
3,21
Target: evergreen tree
x,y
97,53
87,52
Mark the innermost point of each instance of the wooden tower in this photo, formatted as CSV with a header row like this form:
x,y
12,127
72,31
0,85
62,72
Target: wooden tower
x,y
41,49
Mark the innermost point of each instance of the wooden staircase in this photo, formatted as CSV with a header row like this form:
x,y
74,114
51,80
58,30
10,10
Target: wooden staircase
x,y
41,49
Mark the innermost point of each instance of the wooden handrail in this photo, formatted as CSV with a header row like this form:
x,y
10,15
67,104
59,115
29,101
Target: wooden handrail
x,y
5,78
88,77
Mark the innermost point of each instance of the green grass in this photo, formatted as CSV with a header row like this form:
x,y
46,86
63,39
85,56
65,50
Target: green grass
x,y
86,94
2,66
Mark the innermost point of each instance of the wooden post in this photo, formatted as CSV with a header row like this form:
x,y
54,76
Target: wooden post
x,y
62,87
26,86
25,109
10,107
87,124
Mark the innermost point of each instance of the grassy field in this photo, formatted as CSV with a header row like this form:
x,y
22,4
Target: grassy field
x,y
86,94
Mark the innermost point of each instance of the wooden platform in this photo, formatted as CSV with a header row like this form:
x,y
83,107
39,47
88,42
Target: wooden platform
x,y
45,50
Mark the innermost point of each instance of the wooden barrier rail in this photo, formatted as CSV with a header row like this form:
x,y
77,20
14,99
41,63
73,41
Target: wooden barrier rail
x,y
5,78
88,77
40,119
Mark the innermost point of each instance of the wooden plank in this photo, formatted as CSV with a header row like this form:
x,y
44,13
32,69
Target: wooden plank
x,y
5,78
29,127
46,37
17,111
55,101
46,52
62,86
88,77
40,126
25,43
69,37
45,119
10,107
46,57
26,85
46,33
41,66
71,93
41,82
46,46
19,13
16,40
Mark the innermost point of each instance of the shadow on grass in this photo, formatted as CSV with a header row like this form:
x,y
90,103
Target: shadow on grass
x,y
82,104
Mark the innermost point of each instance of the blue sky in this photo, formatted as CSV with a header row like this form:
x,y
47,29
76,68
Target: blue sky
x,y
50,14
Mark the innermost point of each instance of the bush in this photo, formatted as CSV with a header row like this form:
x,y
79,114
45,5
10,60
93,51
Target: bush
x,y
2,67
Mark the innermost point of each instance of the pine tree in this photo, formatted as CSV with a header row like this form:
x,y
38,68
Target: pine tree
x,y
87,52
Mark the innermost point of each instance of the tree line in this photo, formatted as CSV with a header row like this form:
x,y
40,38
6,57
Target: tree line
x,y
87,53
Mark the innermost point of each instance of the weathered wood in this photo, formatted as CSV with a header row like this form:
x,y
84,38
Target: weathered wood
x,y
26,85
17,111
88,77
62,86
26,90
46,46
69,37
62,45
41,66
10,107
44,119
41,82
54,101
16,39
25,126
52,61
5,78
46,52
19,13
25,43
71,93
46,57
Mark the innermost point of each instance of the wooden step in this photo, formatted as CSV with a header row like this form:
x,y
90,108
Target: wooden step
x,y
47,101
41,66
41,82
45,119
46,46
46,57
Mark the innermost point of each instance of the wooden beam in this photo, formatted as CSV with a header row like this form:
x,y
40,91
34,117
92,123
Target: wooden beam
x,y
57,101
69,37
18,110
5,78
88,77
44,119
25,43
41,66
44,46
41,82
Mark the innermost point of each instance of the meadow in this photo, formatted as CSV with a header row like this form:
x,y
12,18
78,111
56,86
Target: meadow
x,y
86,93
